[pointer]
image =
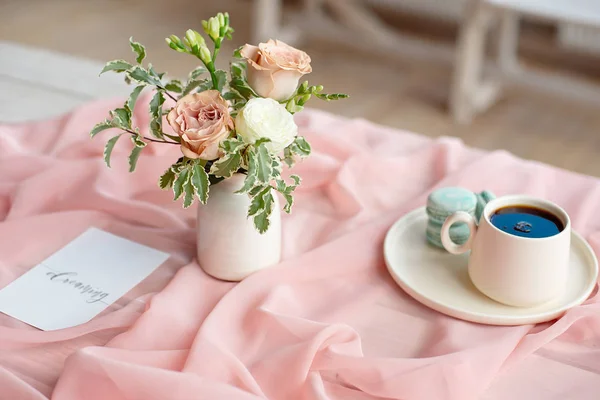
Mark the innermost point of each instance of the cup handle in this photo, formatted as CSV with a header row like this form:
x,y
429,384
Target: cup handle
x,y
449,245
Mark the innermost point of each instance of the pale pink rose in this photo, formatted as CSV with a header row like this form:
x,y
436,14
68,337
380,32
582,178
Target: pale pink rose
x,y
274,68
202,121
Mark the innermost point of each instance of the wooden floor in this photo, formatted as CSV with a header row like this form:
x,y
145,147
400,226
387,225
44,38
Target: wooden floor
x,y
404,93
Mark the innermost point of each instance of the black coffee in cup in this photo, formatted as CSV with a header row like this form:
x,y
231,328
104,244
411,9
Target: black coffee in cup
x,y
527,221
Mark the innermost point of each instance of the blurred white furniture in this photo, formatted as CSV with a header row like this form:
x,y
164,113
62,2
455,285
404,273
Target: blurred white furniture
x,y
474,88
348,21
472,92
38,84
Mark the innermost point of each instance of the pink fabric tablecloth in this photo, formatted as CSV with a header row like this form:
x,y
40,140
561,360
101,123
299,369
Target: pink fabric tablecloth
x,y
327,323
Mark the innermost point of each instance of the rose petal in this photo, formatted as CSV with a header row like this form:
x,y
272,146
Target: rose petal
x,y
189,153
285,84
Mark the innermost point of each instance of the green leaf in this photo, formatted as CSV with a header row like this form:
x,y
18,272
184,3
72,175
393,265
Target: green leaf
x,y
237,53
109,148
233,145
261,222
156,112
166,180
156,105
101,126
237,70
141,75
257,204
138,49
256,190
154,73
276,164
227,165
130,104
196,73
280,185
202,85
250,181
289,202
116,65
288,156
188,198
303,145
133,158
296,180
221,79
233,95
121,117
286,191
243,88
156,128
261,219
138,141
174,86
264,164
180,182
200,182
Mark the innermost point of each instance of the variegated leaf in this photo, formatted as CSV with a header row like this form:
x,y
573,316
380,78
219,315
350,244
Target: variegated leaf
x,y
138,49
130,104
166,180
226,166
116,66
133,157
109,148
182,179
188,194
200,182
102,126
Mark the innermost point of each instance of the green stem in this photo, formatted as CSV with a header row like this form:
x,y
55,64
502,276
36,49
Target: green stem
x,y
147,138
166,92
217,48
211,69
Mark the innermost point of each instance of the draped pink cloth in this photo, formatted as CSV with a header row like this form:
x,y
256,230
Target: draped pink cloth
x,y
327,323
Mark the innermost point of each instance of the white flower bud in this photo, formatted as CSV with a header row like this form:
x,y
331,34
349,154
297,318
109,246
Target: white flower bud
x,y
213,28
205,54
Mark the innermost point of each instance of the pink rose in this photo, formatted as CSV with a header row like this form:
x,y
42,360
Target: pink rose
x,y
274,68
202,121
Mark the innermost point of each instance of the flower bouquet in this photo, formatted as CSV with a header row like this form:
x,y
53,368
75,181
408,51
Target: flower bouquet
x,y
225,125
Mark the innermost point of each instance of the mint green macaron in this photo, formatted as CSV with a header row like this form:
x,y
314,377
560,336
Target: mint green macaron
x,y
444,202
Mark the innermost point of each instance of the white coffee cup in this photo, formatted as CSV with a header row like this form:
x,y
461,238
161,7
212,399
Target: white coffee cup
x,y
514,270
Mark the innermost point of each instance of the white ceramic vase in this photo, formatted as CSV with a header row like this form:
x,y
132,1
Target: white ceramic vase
x,y
229,246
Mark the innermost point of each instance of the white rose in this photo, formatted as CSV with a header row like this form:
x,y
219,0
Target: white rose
x,y
266,118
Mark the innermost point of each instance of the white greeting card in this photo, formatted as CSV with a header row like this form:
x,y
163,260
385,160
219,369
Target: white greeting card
x,y
80,280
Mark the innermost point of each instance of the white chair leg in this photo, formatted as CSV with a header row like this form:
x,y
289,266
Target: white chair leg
x,y
266,21
470,56
508,42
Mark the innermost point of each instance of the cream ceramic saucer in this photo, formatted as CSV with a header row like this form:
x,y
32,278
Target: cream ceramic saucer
x,y
440,280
